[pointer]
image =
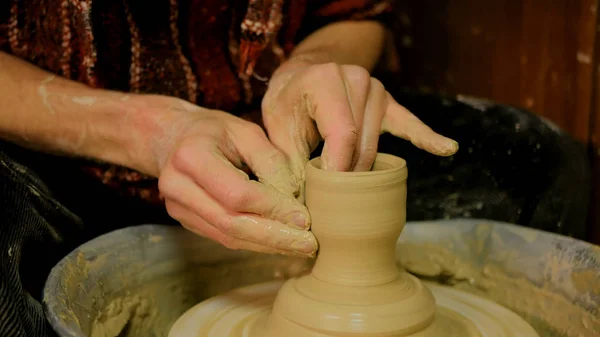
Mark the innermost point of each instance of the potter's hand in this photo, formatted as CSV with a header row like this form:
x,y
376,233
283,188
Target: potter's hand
x,y
344,106
200,154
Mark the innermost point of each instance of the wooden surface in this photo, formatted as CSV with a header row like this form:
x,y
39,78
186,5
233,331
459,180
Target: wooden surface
x,y
594,151
536,54
533,54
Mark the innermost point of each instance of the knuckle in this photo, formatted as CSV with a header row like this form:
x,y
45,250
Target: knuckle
x,y
357,74
193,229
323,71
267,104
180,157
225,224
329,67
165,187
349,134
229,242
173,210
183,155
369,152
376,84
369,148
271,114
255,129
165,183
237,199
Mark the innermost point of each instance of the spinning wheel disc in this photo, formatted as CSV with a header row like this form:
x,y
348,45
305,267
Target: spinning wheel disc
x,y
244,312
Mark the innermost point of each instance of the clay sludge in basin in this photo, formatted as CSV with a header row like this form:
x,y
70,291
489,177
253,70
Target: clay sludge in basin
x,y
182,270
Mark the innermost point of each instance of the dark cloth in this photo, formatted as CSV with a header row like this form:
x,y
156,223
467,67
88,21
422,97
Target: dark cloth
x,y
512,166
48,208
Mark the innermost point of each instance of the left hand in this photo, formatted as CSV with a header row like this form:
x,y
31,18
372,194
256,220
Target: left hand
x,y
344,106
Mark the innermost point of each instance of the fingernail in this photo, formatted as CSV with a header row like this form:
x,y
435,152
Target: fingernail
x,y
304,247
454,145
448,147
299,220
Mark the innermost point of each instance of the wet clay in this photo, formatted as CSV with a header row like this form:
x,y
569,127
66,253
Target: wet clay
x,y
535,303
355,288
355,284
151,309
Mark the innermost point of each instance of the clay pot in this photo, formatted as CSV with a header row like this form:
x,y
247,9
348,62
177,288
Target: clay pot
x,y
355,284
357,218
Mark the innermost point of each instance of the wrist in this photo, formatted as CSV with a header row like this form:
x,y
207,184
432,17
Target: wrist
x,y
118,128
302,60
348,42
155,126
149,123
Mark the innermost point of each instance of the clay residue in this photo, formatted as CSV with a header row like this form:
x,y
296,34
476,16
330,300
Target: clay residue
x,y
430,262
88,303
71,305
587,280
551,313
124,314
155,238
100,311
541,304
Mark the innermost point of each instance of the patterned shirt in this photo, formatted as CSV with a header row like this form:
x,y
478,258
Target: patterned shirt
x,y
215,53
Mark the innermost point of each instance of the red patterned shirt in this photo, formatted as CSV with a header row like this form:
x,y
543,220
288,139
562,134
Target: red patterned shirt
x,y
214,53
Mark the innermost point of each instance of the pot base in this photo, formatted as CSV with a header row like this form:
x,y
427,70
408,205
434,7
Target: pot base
x,y
245,312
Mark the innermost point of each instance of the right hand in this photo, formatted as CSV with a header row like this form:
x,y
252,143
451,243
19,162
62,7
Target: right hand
x,y
198,155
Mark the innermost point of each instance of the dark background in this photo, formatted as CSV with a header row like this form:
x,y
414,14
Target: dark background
x,y
535,54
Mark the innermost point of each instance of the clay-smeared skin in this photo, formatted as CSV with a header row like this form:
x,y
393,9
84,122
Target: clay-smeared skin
x,y
355,288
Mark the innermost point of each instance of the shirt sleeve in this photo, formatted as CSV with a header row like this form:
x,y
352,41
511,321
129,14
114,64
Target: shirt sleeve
x,y
4,28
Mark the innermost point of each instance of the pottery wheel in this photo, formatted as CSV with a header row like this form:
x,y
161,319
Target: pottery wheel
x,y
244,312
355,288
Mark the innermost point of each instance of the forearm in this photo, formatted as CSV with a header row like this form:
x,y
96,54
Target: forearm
x,y
349,42
52,114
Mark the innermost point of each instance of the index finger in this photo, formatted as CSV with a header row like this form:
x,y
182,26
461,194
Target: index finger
x,y
332,112
401,123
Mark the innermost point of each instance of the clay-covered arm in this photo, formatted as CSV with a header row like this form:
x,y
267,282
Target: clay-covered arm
x,y
49,113
195,152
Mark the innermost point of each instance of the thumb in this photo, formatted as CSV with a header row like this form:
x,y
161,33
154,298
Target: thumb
x,y
291,130
298,163
296,139
297,150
